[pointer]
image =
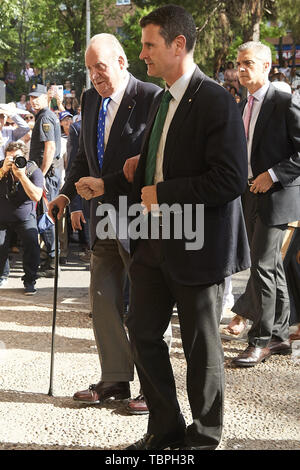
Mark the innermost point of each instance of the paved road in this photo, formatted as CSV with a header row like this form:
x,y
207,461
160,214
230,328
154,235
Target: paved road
x,y
261,404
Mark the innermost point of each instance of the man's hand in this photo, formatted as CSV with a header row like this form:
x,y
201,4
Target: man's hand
x,y
149,199
298,257
7,164
129,168
77,218
89,187
19,173
262,183
61,202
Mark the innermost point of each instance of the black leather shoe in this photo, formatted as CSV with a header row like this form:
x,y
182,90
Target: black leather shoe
x,y
251,357
152,442
98,393
280,347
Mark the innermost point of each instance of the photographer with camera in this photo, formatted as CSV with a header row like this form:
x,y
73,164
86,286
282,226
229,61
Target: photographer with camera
x,y
21,186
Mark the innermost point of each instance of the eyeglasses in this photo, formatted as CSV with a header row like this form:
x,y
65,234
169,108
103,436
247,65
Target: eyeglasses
x,y
28,118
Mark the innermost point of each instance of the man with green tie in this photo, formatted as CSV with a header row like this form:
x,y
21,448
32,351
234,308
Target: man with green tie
x,y
194,154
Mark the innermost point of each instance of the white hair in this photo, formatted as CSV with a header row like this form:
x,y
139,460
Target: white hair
x,y
262,51
112,42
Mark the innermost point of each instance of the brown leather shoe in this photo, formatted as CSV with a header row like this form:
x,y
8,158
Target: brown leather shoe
x,y
98,393
251,357
279,347
137,406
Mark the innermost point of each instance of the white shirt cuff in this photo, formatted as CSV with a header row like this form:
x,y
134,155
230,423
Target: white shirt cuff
x,y
273,176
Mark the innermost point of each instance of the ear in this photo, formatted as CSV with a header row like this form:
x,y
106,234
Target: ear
x,y
121,61
180,43
267,66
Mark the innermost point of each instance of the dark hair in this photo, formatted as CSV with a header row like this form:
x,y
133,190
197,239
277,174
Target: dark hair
x,y
173,21
12,146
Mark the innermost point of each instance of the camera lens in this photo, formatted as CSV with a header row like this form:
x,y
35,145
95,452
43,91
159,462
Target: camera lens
x,y
20,162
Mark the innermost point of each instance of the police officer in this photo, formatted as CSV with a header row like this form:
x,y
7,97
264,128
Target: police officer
x,y
44,149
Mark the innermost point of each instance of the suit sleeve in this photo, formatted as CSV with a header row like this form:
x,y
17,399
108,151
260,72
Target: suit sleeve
x,y
79,167
288,169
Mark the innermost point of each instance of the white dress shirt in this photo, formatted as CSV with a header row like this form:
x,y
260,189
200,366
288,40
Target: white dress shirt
x,y
259,97
177,91
113,107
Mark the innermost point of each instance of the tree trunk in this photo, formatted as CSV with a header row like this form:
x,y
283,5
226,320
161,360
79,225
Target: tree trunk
x,y
255,12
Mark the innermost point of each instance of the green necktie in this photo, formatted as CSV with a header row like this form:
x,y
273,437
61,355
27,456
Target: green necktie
x,y
155,138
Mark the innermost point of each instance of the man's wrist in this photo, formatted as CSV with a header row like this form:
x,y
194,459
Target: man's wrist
x,y
2,173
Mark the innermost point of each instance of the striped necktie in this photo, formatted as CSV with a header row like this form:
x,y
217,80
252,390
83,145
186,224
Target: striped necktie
x,y
155,137
101,129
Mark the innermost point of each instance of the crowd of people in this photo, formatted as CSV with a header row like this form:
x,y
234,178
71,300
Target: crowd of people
x,y
187,145
40,126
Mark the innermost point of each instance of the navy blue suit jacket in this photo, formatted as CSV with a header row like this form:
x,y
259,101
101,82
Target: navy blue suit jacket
x,y
124,141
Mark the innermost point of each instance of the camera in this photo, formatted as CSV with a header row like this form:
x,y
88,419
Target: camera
x,y
20,161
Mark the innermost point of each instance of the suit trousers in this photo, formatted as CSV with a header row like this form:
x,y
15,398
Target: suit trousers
x,y
265,300
153,296
109,268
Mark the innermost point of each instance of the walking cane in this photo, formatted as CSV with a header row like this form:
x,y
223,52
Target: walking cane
x,y
54,212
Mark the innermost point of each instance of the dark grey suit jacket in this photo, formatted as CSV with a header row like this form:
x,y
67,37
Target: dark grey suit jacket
x,y
276,145
124,141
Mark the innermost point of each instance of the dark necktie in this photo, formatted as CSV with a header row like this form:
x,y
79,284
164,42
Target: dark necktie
x,y
155,138
101,129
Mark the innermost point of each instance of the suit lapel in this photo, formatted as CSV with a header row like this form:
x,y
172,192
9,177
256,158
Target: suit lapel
x,y
126,107
140,174
263,117
91,128
179,117
151,117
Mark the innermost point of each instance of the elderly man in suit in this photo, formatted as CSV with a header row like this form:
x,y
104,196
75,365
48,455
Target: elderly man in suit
x,y
194,155
271,200
114,115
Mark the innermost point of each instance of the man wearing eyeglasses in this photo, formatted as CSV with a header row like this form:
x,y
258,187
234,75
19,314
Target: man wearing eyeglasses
x,y
272,200
21,186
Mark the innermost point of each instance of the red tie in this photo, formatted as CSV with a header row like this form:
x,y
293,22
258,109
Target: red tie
x,y
247,115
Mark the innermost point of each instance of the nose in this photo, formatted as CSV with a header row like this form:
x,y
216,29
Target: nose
x,y
93,73
142,54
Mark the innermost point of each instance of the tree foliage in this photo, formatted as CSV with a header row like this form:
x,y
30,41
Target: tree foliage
x,y
224,25
49,33
52,33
